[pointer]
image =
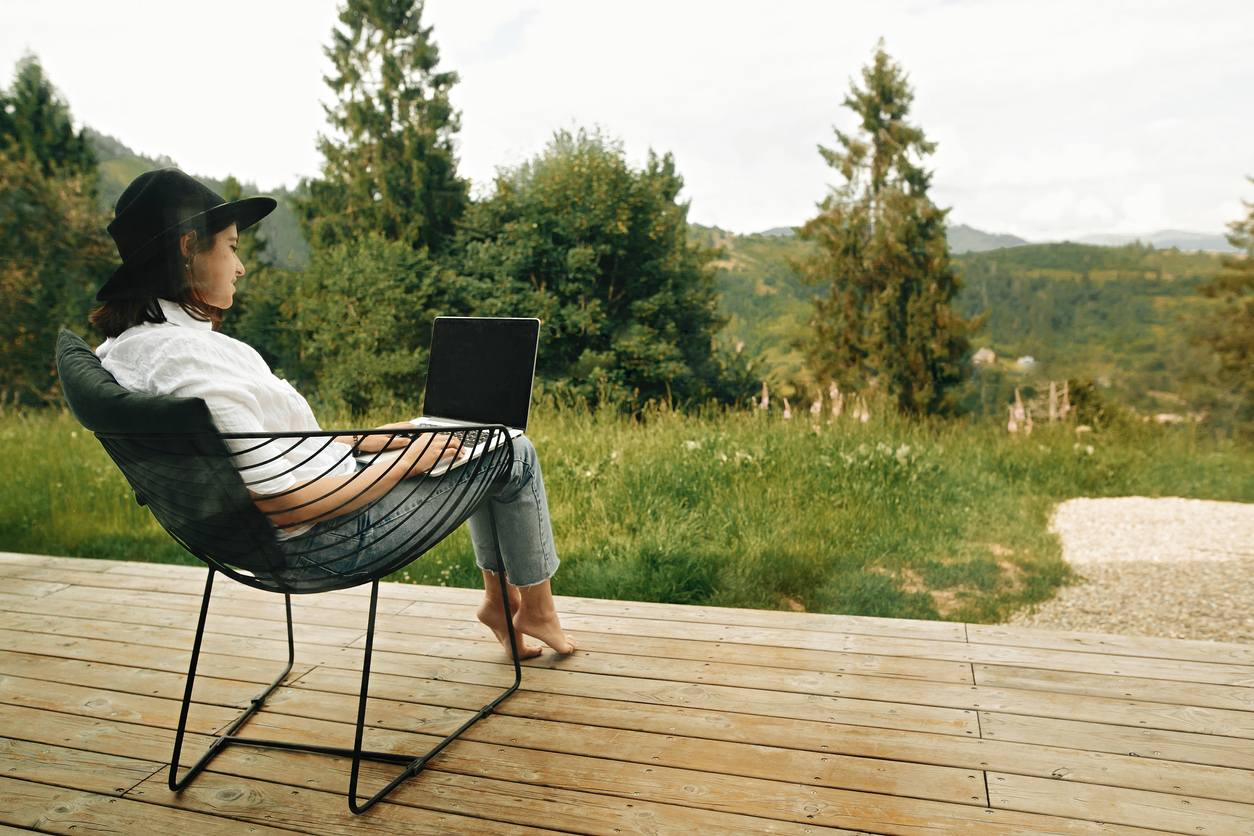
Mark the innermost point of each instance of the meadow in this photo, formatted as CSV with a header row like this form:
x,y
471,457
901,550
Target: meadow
x,y
729,508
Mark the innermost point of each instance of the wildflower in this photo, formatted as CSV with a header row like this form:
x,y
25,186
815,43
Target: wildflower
x,y
693,445
787,409
816,407
903,454
766,396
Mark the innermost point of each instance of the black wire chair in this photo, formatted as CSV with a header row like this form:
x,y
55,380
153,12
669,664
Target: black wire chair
x,y
191,478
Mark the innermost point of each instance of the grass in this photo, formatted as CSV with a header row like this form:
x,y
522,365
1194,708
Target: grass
x,y
892,518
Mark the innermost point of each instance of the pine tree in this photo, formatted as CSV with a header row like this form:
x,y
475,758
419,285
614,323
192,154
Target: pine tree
x,y
1230,331
55,252
889,320
389,167
35,121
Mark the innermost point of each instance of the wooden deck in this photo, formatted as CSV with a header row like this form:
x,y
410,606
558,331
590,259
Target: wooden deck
x,y
668,720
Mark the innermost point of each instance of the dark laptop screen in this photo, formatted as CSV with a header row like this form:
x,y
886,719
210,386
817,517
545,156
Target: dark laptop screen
x,y
480,369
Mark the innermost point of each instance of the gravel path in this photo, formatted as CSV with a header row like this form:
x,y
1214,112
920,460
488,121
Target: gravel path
x,y
1177,568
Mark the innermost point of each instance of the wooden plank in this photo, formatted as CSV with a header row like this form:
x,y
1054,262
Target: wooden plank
x,y
451,625
80,638
225,616
47,809
1171,813
15,559
347,600
391,708
5,830
927,649
44,763
1036,759
256,802
1235,697
825,623
725,616
91,734
141,678
111,705
1232,752
18,587
886,690
683,694
1113,645
548,776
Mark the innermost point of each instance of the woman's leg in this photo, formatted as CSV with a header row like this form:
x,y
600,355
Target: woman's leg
x,y
492,614
527,555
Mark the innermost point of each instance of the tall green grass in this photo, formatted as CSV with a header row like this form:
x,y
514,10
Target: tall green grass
x,y
892,518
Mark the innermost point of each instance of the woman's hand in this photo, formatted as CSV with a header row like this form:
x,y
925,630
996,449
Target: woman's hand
x,y
427,450
375,443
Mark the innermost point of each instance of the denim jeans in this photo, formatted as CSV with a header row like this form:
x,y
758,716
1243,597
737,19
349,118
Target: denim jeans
x,y
415,510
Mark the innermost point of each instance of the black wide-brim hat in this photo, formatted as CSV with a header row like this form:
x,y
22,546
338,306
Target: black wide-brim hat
x,y
156,209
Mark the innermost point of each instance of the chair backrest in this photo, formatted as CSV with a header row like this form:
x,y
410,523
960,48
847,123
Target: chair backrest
x,y
171,454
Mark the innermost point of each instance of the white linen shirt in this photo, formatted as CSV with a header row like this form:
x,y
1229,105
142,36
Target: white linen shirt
x,y
186,358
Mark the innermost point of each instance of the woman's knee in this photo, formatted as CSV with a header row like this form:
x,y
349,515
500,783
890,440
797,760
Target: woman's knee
x,y
525,452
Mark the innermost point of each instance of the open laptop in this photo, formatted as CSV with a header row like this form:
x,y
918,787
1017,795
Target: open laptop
x,y
480,371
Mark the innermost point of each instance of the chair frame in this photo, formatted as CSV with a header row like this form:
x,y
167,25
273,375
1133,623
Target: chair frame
x,y
415,764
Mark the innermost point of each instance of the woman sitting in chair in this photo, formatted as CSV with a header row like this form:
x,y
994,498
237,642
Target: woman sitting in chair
x,y
161,313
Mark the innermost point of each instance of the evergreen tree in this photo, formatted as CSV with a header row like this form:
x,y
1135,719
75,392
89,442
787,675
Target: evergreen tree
x,y
889,319
35,122
55,253
388,165
1230,332
601,253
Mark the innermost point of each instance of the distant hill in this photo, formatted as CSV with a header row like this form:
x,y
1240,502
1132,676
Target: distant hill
x,y
1120,315
965,239
119,165
1165,240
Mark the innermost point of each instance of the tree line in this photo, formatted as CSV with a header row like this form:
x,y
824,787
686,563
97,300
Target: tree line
x,y
599,249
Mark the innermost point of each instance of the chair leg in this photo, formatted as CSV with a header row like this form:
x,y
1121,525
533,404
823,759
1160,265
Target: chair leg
x,y
177,784
418,764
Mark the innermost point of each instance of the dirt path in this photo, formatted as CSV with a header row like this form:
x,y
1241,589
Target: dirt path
x,y
1179,568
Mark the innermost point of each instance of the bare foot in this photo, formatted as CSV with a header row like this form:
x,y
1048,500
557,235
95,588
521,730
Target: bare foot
x,y
546,629
493,617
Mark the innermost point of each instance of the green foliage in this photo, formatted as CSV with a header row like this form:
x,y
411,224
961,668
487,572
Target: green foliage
x,y
354,326
35,121
601,253
893,518
56,252
1120,316
881,244
388,167
1229,331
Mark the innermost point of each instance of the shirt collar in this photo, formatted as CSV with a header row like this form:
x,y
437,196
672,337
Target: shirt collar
x,y
175,315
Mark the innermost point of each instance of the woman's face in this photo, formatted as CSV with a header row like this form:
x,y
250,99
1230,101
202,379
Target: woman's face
x,y
214,271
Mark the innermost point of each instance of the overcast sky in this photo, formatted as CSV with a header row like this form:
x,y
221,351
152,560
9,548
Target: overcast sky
x,y
1054,119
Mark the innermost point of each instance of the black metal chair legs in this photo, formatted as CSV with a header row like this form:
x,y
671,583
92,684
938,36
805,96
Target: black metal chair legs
x,y
414,765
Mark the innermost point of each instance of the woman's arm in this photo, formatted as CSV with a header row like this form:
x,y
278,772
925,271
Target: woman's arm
x,y
332,496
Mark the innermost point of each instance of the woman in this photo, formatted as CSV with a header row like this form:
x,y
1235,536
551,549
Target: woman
x,y
161,313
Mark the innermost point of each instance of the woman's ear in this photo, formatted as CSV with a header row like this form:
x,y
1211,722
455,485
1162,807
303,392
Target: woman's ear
x,y
186,243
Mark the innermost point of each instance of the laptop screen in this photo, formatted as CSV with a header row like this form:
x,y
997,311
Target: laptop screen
x,y
481,368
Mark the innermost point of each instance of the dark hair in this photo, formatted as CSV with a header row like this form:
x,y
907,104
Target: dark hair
x,y
117,315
